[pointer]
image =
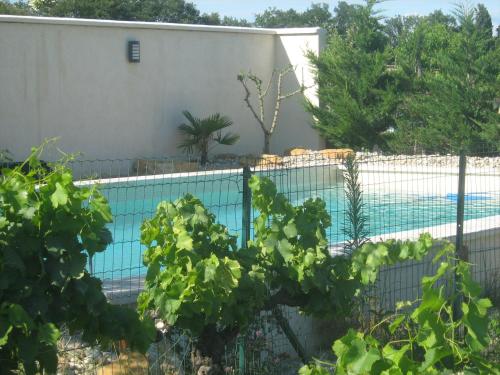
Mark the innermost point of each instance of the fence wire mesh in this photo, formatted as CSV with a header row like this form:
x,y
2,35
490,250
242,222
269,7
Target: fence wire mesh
x,y
403,196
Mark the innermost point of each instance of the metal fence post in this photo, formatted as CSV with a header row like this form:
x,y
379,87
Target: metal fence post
x,y
241,355
459,240
245,236
460,249
247,208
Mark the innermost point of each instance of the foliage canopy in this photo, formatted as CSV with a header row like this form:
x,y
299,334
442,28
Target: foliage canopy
x,y
49,227
410,84
200,281
426,336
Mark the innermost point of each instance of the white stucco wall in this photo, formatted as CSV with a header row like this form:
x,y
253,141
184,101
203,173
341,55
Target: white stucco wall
x,y
71,79
294,123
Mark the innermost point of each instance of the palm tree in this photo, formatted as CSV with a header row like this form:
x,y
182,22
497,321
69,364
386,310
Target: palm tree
x,y
200,134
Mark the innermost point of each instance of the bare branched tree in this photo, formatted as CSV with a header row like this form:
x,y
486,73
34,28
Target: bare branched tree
x,y
262,92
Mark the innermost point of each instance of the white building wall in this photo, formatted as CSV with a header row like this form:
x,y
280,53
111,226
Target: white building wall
x,y
71,79
294,123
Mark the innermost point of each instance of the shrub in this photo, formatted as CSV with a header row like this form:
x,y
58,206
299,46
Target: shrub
x,y
200,134
48,229
444,332
199,281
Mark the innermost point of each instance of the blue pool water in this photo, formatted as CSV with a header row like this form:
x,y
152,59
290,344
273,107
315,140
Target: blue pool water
x,y
132,202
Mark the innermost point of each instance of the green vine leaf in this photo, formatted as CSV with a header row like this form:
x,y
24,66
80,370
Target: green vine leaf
x,y
60,196
199,281
48,228
428,343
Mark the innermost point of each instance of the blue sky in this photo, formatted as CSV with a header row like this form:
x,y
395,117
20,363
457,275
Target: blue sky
x,y
248,8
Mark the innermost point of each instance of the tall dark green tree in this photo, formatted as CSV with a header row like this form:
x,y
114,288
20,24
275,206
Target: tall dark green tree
x,y
233,21
399,27
483,22
451,103
174,11
276,18
95,9
357,92
317,15
19,8
345,15
438,17
484,26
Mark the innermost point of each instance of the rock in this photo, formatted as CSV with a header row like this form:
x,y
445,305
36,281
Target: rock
x,y
247,160
144,167
226,157
480,164
296,152
336,153
186,166
300,157
269,160
129,363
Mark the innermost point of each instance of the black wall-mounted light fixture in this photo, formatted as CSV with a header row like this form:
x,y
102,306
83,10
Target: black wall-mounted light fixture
x,y
134,51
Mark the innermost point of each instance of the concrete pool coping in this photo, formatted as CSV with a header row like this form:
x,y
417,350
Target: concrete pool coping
x,y
382,167
212,172
364,167
126,290
472,228
114,180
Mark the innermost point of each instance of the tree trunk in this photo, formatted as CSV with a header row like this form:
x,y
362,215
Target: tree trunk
x,y
208,351
267,143
204,158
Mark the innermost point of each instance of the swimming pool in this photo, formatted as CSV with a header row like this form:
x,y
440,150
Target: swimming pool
x,y
134,200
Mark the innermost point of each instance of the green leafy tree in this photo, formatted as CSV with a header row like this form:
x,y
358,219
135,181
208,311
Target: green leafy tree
x,y
232,21
199,281
346,16
175,11
417,55
276,18
396,27
209,19
100,9
19,8
438,17
201,134
483,22
450,105
411,84
358,94
427,336
48,230
399,27
317,15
